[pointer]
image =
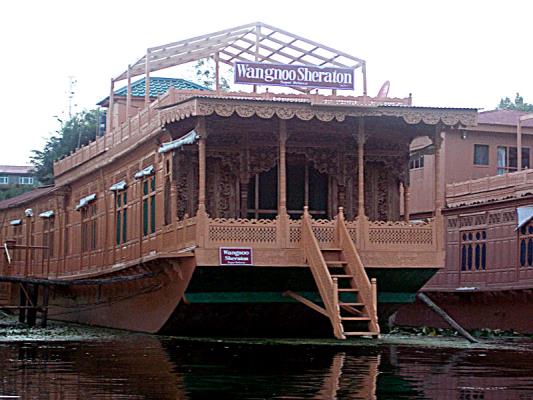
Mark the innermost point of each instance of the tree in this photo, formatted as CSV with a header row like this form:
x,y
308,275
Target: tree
x,y
206,76
518,104
77,131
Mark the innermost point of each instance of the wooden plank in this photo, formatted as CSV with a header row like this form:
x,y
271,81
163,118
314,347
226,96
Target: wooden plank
x,y
306,302
427,301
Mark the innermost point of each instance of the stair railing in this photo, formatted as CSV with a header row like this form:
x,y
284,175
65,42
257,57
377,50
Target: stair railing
x,y
355,267
326,286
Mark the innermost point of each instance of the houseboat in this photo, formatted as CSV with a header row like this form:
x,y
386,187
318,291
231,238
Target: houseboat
x,y
269,212
487,281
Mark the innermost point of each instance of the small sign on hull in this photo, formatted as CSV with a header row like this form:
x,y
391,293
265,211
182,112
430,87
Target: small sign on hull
x,y
235,256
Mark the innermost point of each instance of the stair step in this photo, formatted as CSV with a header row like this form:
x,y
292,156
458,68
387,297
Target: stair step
x,y
361,334
342,276
338,262
355,318
331,249
348,290
352,304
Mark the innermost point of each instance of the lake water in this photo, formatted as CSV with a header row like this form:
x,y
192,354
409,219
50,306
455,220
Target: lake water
x,y
129,366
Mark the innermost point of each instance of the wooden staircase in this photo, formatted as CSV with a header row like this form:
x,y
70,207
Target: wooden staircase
x,y
349,298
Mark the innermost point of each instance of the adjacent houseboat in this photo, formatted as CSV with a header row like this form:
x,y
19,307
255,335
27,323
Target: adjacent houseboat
x,y
487,281
211,212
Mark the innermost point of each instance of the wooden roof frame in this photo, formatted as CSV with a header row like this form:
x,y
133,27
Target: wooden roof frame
x,y
251,42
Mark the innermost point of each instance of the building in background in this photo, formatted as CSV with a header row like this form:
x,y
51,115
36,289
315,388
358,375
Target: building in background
x,y
16,176
487,149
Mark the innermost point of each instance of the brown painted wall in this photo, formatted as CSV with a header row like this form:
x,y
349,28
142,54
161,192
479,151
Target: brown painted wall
x,y
458,161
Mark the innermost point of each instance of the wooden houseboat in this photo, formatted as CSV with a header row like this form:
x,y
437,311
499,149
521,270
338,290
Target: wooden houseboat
x,y
210,212
487,281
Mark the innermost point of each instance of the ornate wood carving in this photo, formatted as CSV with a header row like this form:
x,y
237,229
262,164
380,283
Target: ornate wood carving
x,y
262,159
222,184
185,175
307,111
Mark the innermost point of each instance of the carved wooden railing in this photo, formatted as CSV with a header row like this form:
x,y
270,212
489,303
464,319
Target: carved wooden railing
x,y
399,234
367,235
355,267
326,286
259,232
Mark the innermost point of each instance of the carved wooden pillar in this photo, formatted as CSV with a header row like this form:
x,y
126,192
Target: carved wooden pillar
x,y
519,145
111,107
282,185
360,167
283,217
201,130
244,177
406,195
147,80
128,94
437,140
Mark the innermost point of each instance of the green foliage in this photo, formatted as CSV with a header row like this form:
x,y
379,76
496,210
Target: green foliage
x,y
77,131
206,76
518,104
15,191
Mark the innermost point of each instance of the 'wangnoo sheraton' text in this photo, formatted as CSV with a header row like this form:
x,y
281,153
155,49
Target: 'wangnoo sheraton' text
x,y
294,75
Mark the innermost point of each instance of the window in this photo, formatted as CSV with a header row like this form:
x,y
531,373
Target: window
x,y
148,204
4,180
526,245
167,207
474,250
25,180
88,228
416,161
508,160
48,237
121,222
481,154
305,187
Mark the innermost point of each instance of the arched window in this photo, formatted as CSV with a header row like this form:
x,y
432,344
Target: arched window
x,y
474,251
525,248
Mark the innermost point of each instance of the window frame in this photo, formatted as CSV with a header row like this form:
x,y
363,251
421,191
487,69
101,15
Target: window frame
x,y
487,155
507,168
121,216
89,234
148,205
416,162
473,254
25,180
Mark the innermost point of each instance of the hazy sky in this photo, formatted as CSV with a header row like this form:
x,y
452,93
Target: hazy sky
x,y
446,53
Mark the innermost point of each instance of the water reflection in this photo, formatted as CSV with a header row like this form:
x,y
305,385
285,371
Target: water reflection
x,y
148,367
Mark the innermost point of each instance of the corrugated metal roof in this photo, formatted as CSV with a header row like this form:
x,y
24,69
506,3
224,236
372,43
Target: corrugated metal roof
x,y
503,117
26,197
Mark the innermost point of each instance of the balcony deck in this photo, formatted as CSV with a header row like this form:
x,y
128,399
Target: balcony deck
x,y
275,243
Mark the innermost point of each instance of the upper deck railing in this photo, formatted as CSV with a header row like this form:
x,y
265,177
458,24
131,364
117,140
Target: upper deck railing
x,y
491,188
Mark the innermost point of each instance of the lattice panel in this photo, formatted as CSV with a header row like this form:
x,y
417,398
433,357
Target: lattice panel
x,y
353,234
247,234
401,236
295,234
324,234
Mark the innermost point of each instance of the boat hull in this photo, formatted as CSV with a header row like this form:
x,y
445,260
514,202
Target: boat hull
x,y
508,310
179,298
